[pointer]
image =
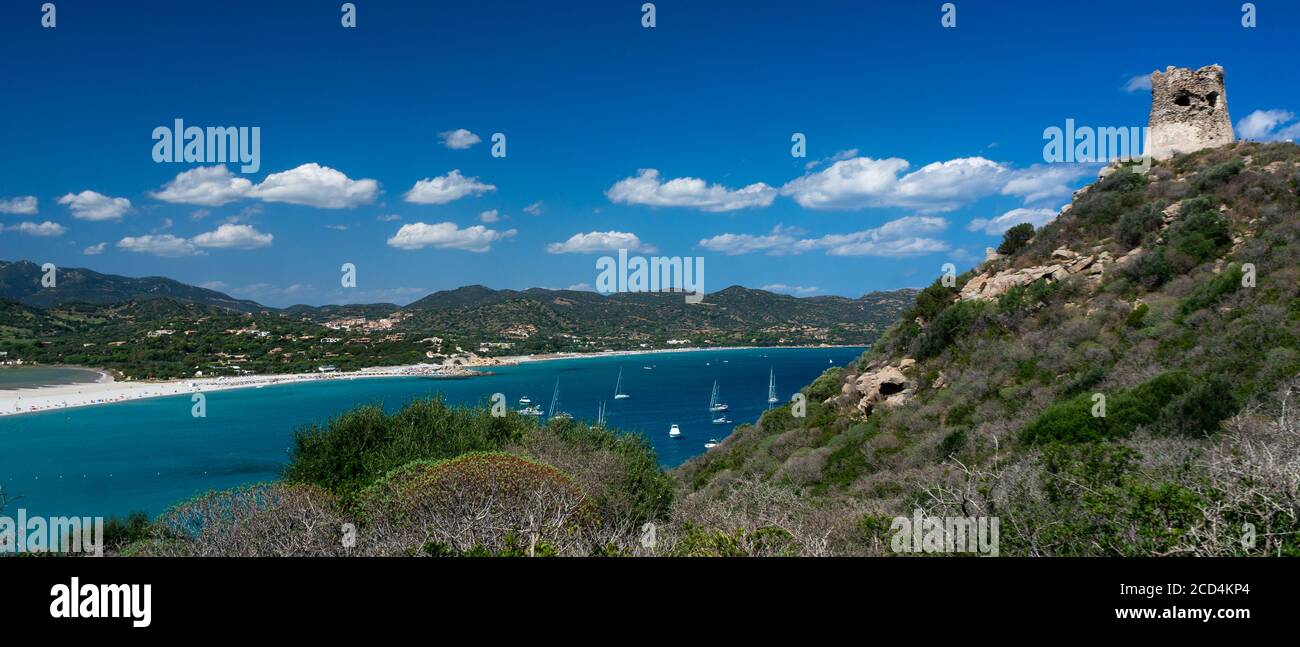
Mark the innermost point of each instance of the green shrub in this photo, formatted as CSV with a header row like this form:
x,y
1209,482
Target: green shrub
x,y
1135,225
827,385
944,330
1068,421
1201,232
1218,175
1149,270
1200,410
1143,405
1015,238
1136,316
1124,180
1208,292
1084,380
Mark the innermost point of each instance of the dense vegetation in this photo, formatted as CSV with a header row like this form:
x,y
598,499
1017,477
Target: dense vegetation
x,y
1148,411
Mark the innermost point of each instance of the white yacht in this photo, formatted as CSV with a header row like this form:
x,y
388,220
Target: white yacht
x,y
713,442
675,431
715,405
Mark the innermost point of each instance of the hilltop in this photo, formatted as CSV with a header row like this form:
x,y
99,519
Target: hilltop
x,y
1121,381
159,328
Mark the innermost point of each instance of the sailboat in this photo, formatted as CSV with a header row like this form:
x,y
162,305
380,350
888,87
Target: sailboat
x,y
618,387
771,387
554,413
714,404
600,415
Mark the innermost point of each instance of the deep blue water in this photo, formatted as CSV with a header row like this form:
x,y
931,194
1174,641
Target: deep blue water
x,y
148,454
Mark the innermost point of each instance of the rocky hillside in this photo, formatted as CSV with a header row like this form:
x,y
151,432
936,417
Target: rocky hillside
x,y
1122,381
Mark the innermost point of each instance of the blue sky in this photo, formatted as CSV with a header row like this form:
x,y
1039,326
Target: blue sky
x,y
675,139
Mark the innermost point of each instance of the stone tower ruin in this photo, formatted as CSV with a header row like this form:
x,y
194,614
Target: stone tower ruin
x,y
1189,111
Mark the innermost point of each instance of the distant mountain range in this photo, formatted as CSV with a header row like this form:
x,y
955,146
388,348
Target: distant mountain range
x,y
20,281
158,327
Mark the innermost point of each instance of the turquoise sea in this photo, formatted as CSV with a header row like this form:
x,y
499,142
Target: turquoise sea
x,y
148,454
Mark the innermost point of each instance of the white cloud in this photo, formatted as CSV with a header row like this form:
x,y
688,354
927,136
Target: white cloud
x,y
781,241
491,215
446,188
902,237
647,189
534,209
317,186
45,229
459,139
209,186
165,245
842,155
1048,181
791,289
23,205
446,235
1138,83
581,287
996,226
215,285
90,205
95,250
1263,125
233,237
865,182
600,241
388,218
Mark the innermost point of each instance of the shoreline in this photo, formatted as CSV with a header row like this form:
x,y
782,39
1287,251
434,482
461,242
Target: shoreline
x,y
16,402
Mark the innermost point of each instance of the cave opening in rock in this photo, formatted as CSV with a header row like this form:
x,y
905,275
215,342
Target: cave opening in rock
x,y
889,388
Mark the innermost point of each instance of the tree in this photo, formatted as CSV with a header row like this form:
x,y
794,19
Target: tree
x,y
483,502
1016,238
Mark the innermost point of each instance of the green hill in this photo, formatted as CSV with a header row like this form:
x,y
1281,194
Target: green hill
x,y
1121,383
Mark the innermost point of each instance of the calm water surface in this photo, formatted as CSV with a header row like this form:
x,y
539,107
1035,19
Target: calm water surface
x,y
148,454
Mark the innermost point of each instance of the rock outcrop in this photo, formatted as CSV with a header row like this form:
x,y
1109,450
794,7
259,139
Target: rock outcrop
x,y
1189,111
991,285
882,385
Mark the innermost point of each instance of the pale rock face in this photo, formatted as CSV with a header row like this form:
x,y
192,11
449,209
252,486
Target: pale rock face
x,y
885,386
990,286
1189,111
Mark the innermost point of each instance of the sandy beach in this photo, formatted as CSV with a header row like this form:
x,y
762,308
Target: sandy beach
x,y
108,391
